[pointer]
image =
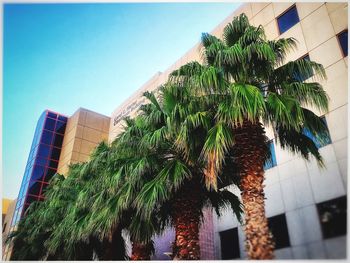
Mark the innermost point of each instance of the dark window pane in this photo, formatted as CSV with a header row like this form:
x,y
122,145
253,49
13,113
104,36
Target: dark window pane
x,y
40,161
279,230
58,140
60,127
38,173
288,19
52,115
302,77
44,150
49,174
332,216
343,41
55,153
229,244
53,164
46,137
31,198
34,188
62,118
271,163
50,124
324,139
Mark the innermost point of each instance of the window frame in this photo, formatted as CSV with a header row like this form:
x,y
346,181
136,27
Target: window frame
x,y
283,13
340,46
326,234
238,251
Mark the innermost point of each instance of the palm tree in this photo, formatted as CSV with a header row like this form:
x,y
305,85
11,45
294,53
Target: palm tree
x,y
244,81
87,179
46,216
175,188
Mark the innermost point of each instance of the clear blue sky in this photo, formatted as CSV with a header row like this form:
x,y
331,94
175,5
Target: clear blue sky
x,y
65,56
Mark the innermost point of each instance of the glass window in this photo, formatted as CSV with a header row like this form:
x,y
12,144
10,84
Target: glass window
x,y
53,164
271,163
34,188
343,41
288,19
60,127
62,118
58,140
52,115
32,198
55,153
229,244
299,77
332,215
40,161
46,137
326,139
49,174
50,124
279,230
38,173
44,150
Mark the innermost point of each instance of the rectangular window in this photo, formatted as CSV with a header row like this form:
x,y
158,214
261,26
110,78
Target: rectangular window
x,y
44,150
279,230
332,215
55,153
49,174
271,163
326,139
38,173
60,127
229,244
34,188
299,77
50,124
288,19
52,115
62,118
343,42
46,137
57,141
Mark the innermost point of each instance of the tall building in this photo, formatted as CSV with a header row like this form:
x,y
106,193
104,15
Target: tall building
x,y
42,161
58,142
306,205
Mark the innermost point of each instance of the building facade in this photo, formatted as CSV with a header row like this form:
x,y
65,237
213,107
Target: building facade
x,y
58,142
306,205
42,161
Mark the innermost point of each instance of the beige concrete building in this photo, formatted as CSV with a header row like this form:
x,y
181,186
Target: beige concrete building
x,y
299,194
297,191
85,130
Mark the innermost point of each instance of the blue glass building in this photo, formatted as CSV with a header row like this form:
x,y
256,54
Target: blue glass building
x,y
42,161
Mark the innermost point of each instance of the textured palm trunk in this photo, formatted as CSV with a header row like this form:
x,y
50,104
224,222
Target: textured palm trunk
x,y
186,212
141,251
250,151
113,248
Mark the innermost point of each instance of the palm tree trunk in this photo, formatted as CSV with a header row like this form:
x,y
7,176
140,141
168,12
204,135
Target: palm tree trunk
x,y
141,251
114,248
250,151
186,212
